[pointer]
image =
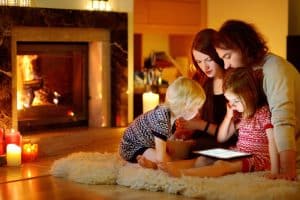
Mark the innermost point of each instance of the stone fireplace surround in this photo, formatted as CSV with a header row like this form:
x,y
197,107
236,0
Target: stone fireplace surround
x,y
63,25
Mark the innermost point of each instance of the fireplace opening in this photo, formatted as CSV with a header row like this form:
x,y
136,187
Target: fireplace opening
x,y
52,85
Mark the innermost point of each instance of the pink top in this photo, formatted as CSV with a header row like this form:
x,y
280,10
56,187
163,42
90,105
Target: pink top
x,y
253,139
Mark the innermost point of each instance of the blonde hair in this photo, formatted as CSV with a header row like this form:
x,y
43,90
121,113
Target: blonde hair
x,y
184,95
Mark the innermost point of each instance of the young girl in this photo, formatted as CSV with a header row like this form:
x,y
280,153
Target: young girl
x,y
245,97
144,141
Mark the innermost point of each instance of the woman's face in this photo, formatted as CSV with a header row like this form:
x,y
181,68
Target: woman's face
x,y
234,101
206,64
232,58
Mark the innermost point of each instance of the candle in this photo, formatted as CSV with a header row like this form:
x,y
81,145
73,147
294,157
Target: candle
x,y
13,155
2,144
13,137
29,152
150,101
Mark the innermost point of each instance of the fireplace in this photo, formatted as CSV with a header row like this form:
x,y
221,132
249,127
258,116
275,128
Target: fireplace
x,y
62,68
52,84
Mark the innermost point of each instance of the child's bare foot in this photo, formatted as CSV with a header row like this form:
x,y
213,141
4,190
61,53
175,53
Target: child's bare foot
x,y
204,161
144,162
169,168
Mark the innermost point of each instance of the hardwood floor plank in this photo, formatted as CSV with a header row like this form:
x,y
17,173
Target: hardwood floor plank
x,y
48,187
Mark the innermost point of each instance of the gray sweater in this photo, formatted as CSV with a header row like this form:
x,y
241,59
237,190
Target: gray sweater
x,y
282,86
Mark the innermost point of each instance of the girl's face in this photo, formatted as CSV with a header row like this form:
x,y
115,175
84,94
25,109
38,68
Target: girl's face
x,y
234,101
232,58
206,64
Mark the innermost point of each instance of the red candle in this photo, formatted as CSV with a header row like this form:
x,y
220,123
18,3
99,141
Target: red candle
x,y
2,144
13,137
29,152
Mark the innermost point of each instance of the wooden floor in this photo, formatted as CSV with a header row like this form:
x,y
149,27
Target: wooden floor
x,y
32,181
48,187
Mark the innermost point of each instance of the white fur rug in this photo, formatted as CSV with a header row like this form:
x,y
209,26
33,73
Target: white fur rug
x,y
107,168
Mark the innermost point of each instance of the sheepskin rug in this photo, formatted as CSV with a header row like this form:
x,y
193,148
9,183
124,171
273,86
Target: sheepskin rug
x,y
108,168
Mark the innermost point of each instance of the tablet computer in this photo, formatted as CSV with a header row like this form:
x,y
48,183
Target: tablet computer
x,y
221,153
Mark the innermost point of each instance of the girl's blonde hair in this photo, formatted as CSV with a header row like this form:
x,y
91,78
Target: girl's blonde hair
x,y
184,95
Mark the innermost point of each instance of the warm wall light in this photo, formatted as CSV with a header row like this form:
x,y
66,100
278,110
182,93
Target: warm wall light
x,y
24,2
15,2
103,5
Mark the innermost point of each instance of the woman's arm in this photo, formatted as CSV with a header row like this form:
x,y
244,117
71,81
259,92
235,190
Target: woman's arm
x,y
273,152
193,124
196,124
281,86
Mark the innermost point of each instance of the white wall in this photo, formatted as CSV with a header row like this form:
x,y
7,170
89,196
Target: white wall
x,y
269,16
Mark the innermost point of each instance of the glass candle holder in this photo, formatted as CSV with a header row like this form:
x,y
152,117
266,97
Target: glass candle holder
x,y
12,136
29,151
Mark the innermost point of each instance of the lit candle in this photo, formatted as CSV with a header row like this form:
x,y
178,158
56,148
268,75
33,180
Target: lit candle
x,y
29,152
13,155
150,101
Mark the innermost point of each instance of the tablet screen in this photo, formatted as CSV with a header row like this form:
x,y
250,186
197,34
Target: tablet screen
x,y
222,153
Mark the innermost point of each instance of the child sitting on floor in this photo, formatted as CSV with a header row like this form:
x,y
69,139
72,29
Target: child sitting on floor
x,y
244,96
144,141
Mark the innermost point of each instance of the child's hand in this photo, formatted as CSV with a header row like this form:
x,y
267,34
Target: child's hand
x,y
230,110
183,134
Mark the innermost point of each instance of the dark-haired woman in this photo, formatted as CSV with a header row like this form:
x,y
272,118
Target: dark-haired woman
x,y
240,45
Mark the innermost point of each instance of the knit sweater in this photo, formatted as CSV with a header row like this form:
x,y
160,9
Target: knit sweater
x,y
139,135
281,84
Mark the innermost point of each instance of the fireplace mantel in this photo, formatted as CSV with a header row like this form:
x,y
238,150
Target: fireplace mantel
x,y
27,18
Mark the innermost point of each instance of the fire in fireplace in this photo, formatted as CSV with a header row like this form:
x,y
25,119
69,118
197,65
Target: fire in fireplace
x,y
47,101
52,84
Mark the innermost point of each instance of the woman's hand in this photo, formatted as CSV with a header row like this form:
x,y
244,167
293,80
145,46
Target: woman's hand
x,y
193,124
287,166
285,176
181,123
186,128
